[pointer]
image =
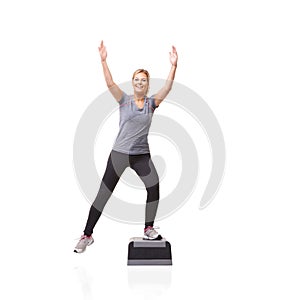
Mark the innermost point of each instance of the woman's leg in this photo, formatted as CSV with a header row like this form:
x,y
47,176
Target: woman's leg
x,y
116,164
144,167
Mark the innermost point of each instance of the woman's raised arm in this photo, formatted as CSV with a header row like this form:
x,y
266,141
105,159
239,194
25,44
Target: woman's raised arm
x,y
162,94
113,88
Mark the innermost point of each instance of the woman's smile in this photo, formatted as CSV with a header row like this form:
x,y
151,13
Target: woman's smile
x,y
140,83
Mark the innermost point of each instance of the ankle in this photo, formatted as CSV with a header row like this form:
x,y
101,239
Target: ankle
x,y
148,227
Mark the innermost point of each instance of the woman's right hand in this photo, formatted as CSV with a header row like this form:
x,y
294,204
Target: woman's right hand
x,y
102,51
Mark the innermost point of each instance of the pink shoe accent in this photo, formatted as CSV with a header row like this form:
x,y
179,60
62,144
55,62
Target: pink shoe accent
x,y
148,227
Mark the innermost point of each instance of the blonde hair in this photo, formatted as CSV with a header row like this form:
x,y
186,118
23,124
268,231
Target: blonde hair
x,y
138,71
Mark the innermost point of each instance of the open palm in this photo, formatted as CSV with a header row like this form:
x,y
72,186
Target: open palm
x,y
173,56
102,51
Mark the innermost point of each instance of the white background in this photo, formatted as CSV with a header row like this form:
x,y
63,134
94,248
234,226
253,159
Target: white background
x,y
242,57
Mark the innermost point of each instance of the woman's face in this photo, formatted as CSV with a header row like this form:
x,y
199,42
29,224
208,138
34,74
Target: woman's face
x,y
140,84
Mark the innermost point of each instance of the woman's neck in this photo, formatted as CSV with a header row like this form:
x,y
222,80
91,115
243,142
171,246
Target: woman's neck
x,y
139,97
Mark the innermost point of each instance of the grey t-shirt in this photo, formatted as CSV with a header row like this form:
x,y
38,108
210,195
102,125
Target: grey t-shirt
x,y
134,125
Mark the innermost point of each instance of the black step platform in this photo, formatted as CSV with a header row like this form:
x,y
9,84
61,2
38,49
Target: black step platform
x,y
149,252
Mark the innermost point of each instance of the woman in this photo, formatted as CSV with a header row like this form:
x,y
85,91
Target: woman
x,y
131,147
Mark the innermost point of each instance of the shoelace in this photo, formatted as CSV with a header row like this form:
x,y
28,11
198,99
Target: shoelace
x,y
151,228
81,238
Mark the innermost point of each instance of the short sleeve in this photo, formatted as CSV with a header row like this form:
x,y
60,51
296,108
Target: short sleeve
x,y
124,98
152,102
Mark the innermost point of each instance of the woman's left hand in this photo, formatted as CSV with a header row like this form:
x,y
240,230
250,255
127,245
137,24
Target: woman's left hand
x,y
173,56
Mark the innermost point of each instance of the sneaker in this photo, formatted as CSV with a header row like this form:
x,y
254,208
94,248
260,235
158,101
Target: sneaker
x,y
151,234
83,242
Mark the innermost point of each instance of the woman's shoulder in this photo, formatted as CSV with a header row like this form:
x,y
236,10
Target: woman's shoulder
x,y
151,100
125,97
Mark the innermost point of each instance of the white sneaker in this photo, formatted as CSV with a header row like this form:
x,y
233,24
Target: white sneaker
x,y
83,243
151,234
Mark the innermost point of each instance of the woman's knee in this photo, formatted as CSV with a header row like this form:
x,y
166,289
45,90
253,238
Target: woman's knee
x,y
153,191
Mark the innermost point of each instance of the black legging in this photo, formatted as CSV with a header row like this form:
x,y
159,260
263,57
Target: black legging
x,y
117,162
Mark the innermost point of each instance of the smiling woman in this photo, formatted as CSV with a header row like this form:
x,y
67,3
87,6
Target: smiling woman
x,y
140,82
131,148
